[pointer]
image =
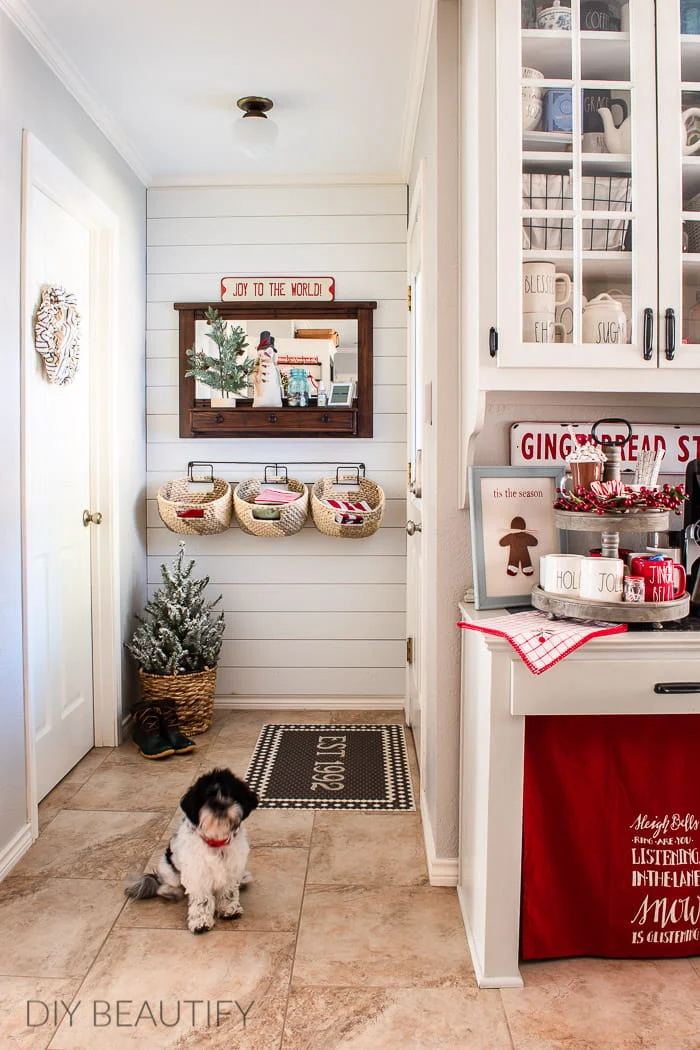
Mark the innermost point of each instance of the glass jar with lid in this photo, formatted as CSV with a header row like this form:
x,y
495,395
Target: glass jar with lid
x,y
298,388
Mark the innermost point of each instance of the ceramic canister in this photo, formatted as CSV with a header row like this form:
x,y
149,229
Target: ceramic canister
x,y
554,17
604,320
599,16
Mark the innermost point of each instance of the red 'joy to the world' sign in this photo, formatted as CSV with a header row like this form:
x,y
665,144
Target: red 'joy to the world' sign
x,y
286,289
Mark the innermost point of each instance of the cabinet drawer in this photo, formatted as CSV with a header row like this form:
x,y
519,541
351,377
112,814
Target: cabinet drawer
x,y
596,685
271,422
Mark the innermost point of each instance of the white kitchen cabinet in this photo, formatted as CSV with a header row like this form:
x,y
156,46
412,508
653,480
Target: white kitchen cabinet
x,y
613,221
614,675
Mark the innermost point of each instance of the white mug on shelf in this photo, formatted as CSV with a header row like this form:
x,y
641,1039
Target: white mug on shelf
x,y
543,328
561,574
564,315
601,579
593,142
540,285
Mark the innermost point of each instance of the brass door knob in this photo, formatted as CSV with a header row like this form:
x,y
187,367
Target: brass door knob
x,y
95,519
412,527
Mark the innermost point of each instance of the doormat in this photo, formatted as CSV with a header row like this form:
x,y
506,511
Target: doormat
x,y
331,767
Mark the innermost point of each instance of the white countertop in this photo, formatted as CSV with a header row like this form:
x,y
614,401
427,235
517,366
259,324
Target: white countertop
x,y
660,643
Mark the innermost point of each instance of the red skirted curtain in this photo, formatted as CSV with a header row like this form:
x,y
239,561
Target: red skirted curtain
x,y
611,836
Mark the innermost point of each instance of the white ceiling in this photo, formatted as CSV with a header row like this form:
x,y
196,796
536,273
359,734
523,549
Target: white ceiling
x,y
161,77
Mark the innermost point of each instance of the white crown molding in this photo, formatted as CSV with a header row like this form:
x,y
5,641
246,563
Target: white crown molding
x,y
394,178
414,91
19,12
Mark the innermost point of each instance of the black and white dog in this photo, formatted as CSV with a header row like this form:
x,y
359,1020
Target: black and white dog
x,y
207,855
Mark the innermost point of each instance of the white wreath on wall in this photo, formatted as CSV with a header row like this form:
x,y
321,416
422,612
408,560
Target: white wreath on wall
x,y
57,333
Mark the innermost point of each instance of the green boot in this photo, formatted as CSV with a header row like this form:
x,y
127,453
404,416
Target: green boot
x,y
171,730
148,732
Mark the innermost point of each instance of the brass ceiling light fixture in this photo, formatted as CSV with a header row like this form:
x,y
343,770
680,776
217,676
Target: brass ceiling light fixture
x,y
255,133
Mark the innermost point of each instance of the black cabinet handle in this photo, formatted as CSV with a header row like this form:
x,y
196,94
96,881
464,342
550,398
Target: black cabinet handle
x,y
493,341
218,418
272,418
677,687
325,418
670,334
648,333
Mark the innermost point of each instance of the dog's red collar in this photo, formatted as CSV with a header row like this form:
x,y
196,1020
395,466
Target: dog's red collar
x,y
216,843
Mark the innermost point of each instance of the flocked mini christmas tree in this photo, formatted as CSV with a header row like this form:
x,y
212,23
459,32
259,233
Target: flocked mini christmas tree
x,y
179,633
225,372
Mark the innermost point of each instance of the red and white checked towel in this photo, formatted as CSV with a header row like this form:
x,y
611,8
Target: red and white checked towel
x,y
542,642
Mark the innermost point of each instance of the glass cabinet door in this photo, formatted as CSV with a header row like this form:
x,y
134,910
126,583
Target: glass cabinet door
x,y
577,183
678,43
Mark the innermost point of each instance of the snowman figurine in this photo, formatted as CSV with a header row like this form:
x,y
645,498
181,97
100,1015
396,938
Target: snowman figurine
x,y
266,378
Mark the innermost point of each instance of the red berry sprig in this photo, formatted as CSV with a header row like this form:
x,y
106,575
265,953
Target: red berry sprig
x,y
668,497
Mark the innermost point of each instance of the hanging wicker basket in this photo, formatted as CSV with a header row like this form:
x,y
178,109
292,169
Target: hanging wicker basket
x,y
292,516
193,695
325,517
195,513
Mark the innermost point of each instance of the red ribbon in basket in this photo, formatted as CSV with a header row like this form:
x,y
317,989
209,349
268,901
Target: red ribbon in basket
x,y
190,512
542,642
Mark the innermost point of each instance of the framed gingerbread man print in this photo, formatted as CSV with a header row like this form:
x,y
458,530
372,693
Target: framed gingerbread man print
x,y
512,526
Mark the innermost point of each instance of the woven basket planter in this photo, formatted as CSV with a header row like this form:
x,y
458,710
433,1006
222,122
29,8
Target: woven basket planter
x,y
324,517
292,515
193,695
195,513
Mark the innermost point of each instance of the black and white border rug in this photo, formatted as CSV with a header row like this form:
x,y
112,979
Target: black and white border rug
x,y
363,767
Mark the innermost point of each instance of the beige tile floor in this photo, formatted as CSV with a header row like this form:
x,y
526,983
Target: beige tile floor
x,y
343,943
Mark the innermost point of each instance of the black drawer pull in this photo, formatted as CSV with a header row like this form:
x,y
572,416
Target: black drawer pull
x,y
677,687
218,418
325,418
272,418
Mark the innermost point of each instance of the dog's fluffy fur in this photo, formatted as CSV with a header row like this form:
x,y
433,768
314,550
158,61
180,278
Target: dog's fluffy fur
x,y
214,810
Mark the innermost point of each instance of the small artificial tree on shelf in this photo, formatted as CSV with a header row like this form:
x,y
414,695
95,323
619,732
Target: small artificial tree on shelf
x,y
179,633
225,372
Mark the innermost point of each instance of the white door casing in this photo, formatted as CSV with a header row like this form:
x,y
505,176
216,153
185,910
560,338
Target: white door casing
x,y
70,581
414,514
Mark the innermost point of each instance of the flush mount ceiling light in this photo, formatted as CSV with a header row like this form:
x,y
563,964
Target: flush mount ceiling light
x,y
255,133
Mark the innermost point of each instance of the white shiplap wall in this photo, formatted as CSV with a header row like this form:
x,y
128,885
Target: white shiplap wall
x,y
307,616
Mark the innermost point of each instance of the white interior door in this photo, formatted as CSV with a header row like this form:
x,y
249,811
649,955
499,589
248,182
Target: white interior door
x,y
58,617
414,514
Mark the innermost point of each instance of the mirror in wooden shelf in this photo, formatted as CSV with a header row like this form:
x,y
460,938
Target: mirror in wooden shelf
x,y
332,341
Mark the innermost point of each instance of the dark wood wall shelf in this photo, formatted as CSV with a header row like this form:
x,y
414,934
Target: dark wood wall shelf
x,y
199,420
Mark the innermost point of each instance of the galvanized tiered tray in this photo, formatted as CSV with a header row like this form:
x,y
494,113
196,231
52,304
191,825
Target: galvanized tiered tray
x,y
614,612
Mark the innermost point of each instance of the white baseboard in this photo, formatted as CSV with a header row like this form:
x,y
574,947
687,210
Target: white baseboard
x,y
315,703
15,850
442,871
512,981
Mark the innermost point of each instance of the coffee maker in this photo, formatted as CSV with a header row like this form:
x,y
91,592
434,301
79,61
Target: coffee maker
x,y
691,530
